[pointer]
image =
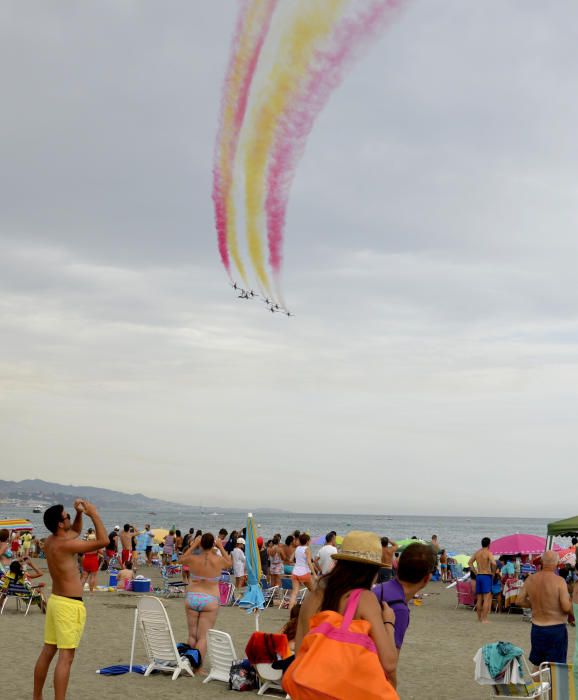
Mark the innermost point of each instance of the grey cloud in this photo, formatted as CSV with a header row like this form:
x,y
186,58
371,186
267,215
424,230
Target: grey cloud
x,y
430,260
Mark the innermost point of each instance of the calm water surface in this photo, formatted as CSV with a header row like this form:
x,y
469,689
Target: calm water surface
x,y
455,533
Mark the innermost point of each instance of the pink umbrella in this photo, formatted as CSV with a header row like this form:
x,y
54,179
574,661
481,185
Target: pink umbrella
x,y
519,544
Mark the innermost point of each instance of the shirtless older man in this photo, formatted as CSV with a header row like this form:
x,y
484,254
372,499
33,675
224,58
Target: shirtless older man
x,y
485,566
65,613
547,594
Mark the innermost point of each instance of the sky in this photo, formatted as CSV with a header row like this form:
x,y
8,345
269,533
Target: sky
x,y
430,260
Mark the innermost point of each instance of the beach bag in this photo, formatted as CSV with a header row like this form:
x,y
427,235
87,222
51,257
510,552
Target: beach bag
x,y
193,655
338,660
242,676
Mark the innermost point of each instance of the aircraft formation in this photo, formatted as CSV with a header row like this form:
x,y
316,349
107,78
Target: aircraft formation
x,y
272,306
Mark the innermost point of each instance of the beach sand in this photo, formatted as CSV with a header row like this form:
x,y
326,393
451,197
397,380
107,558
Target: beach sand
x,y
435,662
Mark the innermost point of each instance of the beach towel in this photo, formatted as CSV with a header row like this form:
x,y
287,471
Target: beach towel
x,y
120,669
263,648
511,675
499,654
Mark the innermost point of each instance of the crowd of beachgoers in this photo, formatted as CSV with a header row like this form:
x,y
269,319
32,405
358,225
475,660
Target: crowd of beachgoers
x,y
360,577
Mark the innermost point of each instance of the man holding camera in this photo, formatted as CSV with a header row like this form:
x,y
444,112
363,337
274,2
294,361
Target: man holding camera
x,y
65,612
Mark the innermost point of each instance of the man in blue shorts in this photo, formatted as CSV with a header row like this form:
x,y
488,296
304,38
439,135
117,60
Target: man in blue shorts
x,y
547,594
484,566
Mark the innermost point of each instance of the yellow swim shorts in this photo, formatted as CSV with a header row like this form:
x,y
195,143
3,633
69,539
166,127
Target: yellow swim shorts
x,y
65,620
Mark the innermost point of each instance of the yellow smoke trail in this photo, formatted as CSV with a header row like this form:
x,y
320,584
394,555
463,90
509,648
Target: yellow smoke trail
x,y
257,18
312,22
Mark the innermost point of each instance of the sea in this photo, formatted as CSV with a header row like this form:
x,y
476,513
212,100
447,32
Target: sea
x,y
456,534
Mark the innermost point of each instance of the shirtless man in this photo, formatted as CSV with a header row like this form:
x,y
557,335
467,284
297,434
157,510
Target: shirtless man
x,y
388,549
126,543
485,567
547,594
65,613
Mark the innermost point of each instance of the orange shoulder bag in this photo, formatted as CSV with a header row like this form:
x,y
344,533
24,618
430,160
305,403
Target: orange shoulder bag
x,y
338,660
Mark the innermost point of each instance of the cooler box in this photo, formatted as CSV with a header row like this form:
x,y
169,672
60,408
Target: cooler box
x,y
112,579
141,585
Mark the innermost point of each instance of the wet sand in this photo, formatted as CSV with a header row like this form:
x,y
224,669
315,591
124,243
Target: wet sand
x,y
435,662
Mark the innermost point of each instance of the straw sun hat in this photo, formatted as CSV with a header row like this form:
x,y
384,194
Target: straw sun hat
x,y
362,547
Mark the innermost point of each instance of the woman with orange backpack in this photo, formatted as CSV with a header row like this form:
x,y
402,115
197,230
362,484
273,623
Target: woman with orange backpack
x,y
345,639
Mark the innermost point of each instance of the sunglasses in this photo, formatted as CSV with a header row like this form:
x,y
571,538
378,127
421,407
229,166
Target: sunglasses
x,y
66,516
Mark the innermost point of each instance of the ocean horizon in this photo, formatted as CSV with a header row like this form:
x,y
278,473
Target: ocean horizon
x,y
455,533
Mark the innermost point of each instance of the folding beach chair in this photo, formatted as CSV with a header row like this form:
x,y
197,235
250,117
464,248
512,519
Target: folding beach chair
x,y
159,641
269,595
511,683
286,588
23,594
172,589
465,595
221,653
269,678
563,680
269,592
262,650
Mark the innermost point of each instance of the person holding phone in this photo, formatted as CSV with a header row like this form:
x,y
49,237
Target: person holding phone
x,y
65,612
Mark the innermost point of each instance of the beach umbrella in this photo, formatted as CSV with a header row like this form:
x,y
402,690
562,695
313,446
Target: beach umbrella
x,y
321,540
159,534
461,559
253,599
520,543
403,544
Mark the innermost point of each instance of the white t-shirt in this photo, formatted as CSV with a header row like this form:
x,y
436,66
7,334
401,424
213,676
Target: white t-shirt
x,y
326,563
238,556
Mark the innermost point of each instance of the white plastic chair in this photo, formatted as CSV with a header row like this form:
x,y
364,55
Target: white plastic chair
x,y
269,677
159,641
221,652
537,687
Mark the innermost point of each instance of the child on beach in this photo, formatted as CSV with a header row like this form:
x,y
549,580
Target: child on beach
x,y
125,577
444,565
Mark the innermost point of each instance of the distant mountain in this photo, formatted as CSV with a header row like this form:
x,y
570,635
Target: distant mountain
x,y
41,491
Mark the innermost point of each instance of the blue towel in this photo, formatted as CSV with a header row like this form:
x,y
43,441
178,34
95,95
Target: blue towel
x,y
119,670
499,654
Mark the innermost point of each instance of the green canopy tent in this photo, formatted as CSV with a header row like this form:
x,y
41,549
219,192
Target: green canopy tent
x,y
562,528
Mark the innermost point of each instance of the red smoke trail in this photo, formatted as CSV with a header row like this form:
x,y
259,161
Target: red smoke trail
x,y
349,38
251,29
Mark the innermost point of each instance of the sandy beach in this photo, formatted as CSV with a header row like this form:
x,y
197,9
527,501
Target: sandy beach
x,y
436,660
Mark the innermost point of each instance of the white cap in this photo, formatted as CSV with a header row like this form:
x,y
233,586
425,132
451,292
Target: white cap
x,y
117,527
240,540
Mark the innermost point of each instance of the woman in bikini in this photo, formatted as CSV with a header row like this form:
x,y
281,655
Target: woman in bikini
x,y
202,601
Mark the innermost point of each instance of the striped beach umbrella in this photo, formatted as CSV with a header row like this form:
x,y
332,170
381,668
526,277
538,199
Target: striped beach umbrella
x,y
253,599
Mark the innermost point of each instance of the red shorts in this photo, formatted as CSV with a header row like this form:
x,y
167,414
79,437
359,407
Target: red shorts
x,y
305,578
90,563
125,555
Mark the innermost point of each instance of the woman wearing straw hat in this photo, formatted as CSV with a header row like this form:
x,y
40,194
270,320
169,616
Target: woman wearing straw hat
x,y
357,567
